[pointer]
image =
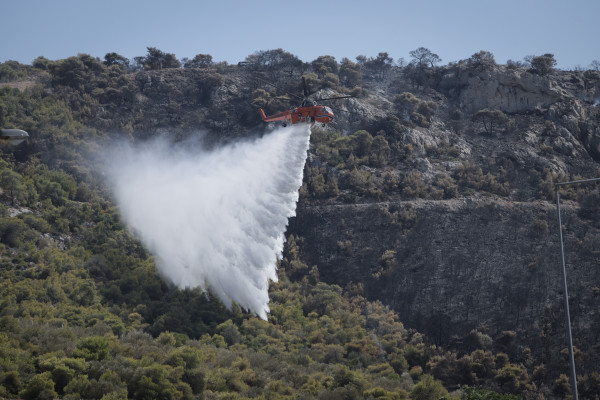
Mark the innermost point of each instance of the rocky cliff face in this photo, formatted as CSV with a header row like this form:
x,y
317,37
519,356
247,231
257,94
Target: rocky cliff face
x,y
489,263
516,91
450,267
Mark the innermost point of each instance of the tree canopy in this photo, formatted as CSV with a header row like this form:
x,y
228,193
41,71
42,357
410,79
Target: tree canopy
x,y
423,57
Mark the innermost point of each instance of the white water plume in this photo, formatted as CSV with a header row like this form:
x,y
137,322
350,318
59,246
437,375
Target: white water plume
x,y
214,220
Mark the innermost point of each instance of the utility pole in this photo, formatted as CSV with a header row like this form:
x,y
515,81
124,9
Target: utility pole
x,y
564,271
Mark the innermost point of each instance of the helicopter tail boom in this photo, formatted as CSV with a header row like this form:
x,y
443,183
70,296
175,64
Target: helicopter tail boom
x,y
282,116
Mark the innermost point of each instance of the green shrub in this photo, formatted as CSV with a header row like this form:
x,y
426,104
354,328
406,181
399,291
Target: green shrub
x,y
40,386
428,388
93,348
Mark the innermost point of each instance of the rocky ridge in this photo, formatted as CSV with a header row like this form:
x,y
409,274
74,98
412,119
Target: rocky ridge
x,y
486,264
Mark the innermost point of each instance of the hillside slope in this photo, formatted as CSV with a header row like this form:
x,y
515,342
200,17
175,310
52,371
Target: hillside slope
x,y
432,193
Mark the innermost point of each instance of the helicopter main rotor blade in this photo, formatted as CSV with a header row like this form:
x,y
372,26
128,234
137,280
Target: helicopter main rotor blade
x,y
335,98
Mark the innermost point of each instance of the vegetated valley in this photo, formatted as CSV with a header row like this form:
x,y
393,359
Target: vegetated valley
x,y
423,261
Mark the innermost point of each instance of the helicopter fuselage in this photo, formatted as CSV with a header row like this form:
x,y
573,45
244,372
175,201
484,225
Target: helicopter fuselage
x,y
307,114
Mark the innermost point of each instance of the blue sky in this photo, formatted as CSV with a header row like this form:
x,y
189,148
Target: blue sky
x,y
231,30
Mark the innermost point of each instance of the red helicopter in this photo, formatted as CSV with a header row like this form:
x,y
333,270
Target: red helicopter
x,y
304,113
309,111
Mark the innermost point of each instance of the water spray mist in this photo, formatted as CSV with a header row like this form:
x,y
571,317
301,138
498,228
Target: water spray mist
x,y
214,220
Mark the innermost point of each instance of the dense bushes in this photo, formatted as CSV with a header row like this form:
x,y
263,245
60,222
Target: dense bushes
x,y
356,165
413,110
74,310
